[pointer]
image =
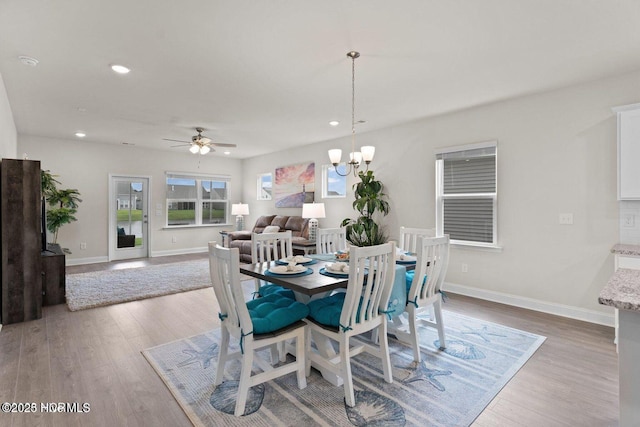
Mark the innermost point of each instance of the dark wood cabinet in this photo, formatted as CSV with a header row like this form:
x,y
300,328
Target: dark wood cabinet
x,y
21,240
53,276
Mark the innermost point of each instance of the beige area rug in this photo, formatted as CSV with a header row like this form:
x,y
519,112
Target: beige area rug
x,y
99,288
448,388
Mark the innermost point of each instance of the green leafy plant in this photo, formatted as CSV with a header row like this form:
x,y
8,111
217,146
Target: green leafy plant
x,y
370,203
62,203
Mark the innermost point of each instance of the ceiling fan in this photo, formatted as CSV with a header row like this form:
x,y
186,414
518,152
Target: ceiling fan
x,y
200,144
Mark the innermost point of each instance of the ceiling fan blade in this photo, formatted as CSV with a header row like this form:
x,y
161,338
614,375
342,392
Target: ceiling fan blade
x,y
220,144
181,145
176,140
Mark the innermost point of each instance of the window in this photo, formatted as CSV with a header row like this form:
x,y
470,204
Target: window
x,y
196,200
264,186
334,185
466,194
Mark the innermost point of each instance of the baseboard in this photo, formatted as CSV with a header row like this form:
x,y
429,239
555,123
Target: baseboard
x,y
572,312
180,252
81,261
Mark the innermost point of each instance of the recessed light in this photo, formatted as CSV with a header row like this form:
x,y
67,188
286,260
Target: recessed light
x,y
120,69
27,60
334,123
81,134
227,152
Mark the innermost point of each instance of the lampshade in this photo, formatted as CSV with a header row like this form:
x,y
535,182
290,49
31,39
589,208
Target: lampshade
x,y
240,209
204,149
194,148
335,155
367,152
355,157
313,210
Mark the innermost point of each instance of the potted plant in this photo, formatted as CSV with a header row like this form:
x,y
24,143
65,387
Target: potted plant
x,y
62,204
370,203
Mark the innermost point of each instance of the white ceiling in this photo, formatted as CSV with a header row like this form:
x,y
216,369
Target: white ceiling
x,y
268,74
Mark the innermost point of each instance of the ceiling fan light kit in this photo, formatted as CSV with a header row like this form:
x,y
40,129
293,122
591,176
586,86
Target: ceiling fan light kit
x,y
201,144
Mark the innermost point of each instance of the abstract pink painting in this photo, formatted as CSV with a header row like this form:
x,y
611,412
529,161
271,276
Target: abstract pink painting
x,y
295,185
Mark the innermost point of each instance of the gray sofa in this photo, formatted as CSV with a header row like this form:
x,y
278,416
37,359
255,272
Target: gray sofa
x,y
242,239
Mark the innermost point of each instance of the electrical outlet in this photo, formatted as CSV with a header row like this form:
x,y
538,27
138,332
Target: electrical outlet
x,y
83,245
465,268
628,221
174,239
566,218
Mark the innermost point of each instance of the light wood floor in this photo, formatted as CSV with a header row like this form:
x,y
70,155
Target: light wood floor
x,y
94,356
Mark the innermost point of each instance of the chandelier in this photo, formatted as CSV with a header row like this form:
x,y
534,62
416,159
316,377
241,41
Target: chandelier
x,y
366,152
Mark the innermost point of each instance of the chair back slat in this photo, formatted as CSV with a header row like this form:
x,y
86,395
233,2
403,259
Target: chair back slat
x,y
409,237
432,263
371,276
330,240
224,266
267,247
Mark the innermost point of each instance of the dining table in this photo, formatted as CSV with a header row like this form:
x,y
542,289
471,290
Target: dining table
x,y
318,281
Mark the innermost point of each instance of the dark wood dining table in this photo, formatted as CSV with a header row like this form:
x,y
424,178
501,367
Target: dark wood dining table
x,y
305,286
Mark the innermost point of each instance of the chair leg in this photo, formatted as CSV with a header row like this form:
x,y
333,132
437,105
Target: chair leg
x,y
307,351
345,360
301,358
244,383
384,351
223,351
413,333
275,354
437,309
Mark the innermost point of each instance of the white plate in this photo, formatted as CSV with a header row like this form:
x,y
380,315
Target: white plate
x,y
298,260
287,272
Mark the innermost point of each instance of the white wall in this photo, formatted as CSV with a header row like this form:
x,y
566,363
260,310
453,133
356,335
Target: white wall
x,y
8,135
556,154
86,166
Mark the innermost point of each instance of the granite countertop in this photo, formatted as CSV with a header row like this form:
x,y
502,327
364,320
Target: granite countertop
x,y
628,250
622,290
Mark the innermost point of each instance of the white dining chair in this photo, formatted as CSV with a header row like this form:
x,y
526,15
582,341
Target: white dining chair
x,y
361,309
409,237
424,293
283,315
330,240
267,247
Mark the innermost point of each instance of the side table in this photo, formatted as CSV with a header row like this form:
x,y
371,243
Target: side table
x,y
307,246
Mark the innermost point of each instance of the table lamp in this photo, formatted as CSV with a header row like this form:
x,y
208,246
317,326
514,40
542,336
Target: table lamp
x,y
313,211
239,209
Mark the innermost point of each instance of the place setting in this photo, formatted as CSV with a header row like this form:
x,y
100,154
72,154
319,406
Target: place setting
x,y
290,269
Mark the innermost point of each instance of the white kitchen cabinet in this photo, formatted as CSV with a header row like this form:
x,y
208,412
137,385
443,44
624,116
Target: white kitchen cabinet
x,y
628,117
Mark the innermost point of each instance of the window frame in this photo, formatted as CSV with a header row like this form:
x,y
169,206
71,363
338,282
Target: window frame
x,y
325,181
441,197
260,186
199,199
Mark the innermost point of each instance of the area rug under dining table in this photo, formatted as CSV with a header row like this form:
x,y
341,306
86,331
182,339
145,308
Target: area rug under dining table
x,y
448,388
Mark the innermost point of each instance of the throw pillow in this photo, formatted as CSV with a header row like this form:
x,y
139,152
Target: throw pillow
x,y
271,229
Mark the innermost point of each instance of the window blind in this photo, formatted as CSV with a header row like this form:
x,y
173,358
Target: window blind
x,y
468,194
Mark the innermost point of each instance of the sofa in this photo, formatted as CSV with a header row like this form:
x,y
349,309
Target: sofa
x,y
242,239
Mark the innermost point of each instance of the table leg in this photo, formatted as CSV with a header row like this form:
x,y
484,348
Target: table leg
x,y
323,344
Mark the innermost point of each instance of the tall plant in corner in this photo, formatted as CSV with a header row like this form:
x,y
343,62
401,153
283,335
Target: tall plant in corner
x,y
370,203
62,204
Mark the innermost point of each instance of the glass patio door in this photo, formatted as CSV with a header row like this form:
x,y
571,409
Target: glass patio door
x,y
129,220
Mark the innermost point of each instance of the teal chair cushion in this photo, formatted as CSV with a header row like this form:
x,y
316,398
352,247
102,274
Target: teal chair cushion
x,y
409,278
273,312
270,288
327,310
